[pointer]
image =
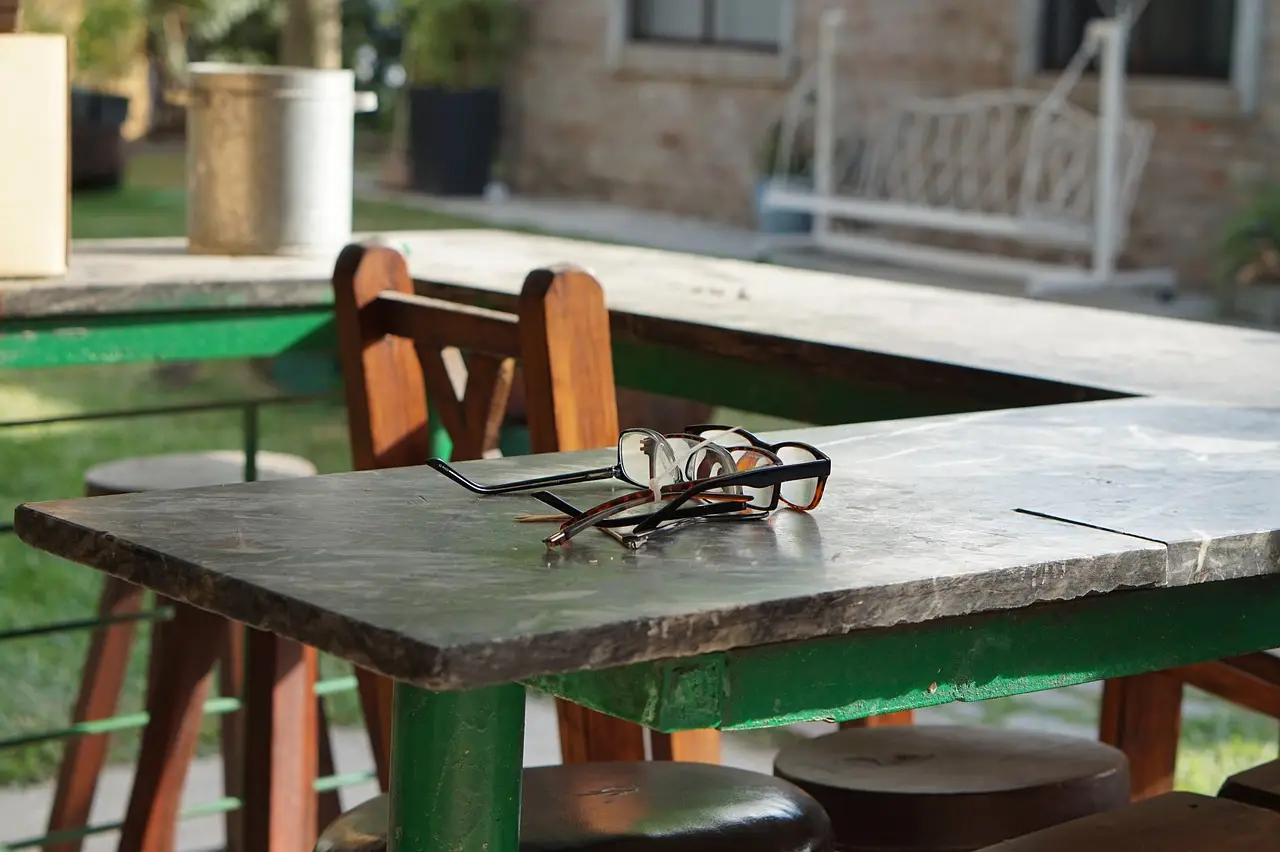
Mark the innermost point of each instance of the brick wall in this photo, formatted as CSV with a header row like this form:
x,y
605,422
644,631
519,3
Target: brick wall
x,y
675,130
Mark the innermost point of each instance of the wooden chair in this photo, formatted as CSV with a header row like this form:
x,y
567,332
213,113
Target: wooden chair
x,y
397,350
183,654
1142,714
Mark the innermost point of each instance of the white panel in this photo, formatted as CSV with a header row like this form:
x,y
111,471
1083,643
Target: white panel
x,y
34,152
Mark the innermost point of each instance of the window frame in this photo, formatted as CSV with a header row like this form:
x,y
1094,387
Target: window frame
x,y
1242,86
697,61
706,38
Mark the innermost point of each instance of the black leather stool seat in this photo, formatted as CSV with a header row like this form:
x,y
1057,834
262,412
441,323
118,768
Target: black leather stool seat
x,y
657,806
944,788
1259,786
1175,822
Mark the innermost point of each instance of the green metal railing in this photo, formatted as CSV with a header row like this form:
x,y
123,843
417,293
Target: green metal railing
x,y
250,433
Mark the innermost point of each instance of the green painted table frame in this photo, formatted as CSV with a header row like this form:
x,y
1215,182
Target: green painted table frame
x,y
456,759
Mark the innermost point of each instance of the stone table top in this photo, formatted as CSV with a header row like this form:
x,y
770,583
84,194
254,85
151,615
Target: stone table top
x,y
998,350
410,575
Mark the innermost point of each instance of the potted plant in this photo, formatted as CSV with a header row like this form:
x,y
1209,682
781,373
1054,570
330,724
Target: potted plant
x,y
795,173
456,53
1249,260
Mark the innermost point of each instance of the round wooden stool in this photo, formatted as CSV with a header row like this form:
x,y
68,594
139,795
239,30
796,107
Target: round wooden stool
x,y
184,650
649,807
189,470
930,788
1174,822
1259,786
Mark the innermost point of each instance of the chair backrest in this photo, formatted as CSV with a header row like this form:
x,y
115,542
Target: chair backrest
x,y
398,350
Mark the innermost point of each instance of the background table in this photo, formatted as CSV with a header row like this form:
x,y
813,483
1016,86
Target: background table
x,y
954,558
811,346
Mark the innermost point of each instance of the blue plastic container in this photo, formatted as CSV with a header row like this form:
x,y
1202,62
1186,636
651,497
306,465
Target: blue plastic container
x,y
780,221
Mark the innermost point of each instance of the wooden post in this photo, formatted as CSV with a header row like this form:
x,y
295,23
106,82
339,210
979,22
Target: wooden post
x,y
1142,716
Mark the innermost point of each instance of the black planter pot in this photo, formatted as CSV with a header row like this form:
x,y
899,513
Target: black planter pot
x,y
97,149
453,138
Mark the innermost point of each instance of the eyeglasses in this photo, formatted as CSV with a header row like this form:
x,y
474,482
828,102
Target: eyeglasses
x,y
705,472
801,494
646,459
755,485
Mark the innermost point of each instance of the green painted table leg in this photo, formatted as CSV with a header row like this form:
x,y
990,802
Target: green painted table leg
x,y
456,761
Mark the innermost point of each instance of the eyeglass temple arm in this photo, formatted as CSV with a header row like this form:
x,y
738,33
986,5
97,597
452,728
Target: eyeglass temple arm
x,y
556,503
442,466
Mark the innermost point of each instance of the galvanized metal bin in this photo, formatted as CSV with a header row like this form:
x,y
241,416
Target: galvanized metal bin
x,y
269,159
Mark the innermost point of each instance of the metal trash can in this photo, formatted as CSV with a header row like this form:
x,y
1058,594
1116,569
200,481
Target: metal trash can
x,y
270,159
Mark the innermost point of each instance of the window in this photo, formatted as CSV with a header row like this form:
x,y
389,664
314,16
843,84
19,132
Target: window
x,y
1173,38
1189,57
748,24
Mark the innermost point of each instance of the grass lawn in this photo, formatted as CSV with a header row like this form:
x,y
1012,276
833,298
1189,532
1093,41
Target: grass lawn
x,y
152,203
45,462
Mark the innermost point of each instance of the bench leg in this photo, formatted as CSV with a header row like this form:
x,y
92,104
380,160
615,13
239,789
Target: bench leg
x,y
183,652
100,683
1142,716
281,730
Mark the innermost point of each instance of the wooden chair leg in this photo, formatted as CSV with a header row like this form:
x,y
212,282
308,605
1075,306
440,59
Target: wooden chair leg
x,y
884,720
280,807
587,736
231,684
375,703
100,683
686,746
1142,716
328,805
183,652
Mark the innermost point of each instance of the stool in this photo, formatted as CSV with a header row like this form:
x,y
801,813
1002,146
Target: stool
x,y
1174,822
929,788
648,807
1259,786
183,651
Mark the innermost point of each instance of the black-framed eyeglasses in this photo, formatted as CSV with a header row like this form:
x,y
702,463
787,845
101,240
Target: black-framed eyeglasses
x,y
755,486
